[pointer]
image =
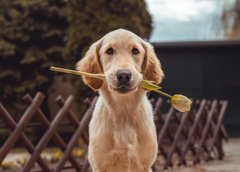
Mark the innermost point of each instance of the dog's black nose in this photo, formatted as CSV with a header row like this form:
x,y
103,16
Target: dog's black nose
x,y
124,75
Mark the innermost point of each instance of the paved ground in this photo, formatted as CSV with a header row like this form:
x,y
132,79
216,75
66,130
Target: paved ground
x,y
230,163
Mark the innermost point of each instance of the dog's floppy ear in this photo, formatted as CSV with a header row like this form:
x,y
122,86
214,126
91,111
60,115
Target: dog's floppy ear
x,y
90,63
151,67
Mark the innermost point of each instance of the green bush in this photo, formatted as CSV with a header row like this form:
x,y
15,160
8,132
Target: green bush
x,y
31,40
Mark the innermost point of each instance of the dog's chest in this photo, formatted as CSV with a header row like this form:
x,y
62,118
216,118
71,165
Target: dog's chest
x,y
130,133
126,139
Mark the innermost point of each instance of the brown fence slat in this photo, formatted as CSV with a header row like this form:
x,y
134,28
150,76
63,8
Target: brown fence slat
x,y
156,110
72,118
23,138
176,139
36,125
164,131
218,129
49,133
56,137
205,131
28,114
192,131
85,166
83,124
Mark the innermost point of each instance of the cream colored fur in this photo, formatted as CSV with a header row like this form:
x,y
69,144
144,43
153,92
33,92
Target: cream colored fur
x,y
122,130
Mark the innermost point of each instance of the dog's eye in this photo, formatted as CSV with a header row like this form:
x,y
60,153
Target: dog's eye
x,y
109,51
135,51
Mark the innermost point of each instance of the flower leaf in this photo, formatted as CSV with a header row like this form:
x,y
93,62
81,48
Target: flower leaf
x,y
148,85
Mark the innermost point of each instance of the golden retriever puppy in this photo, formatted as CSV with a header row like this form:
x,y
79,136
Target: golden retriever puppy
x,y
122,131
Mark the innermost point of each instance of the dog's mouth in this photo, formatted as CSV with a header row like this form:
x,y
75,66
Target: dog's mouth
x,y
124,89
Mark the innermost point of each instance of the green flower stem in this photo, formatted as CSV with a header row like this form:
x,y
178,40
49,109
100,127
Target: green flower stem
x,y
99,76
165,94
57,69
145,84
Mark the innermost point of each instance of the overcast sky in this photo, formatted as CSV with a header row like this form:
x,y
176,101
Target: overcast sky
x,y
185,20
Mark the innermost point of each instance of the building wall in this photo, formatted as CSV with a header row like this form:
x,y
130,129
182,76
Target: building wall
x,y
204,71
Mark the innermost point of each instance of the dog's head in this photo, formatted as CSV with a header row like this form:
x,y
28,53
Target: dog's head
x,y
124,58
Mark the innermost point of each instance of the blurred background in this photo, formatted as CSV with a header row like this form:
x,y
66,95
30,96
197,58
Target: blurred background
x,y
197,42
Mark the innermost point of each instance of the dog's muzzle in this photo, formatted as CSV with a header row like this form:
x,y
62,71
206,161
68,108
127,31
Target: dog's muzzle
x,y
123,77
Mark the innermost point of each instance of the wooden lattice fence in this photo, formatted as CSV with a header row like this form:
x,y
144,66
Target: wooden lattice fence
x,y
199,131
